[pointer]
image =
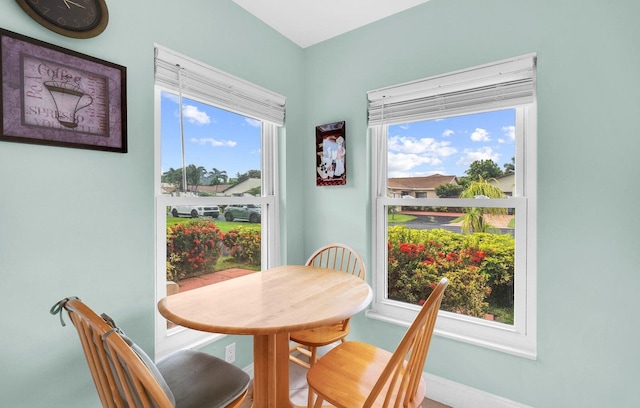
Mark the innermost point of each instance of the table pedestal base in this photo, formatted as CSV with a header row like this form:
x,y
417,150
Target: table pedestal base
x,y
271,371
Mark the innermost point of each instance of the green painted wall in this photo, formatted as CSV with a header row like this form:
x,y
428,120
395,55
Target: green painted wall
x,y
78,222
588,142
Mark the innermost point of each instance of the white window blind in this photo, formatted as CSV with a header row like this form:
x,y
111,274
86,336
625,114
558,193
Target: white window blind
x,y
181,73
502,84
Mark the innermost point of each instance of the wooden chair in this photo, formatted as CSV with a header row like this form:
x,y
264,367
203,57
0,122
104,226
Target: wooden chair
x,y
125,376
333,256
172,288
356,374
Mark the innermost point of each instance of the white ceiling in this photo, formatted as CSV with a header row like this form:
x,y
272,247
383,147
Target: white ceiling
x,y
308,22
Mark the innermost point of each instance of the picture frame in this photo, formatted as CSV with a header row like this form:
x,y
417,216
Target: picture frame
x,y
59,97
331,157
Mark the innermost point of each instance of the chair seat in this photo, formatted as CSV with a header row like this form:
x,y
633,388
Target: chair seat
x,y
333,256
200,380
357,375
125,376
320,336
346,375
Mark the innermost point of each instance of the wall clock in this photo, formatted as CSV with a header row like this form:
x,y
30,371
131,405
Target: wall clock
x,y
72,18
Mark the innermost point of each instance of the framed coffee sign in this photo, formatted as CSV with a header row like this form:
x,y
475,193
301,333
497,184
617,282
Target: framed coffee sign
x,y
59,97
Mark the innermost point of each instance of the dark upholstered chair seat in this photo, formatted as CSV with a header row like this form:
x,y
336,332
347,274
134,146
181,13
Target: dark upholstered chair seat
x,y
125,376
200,380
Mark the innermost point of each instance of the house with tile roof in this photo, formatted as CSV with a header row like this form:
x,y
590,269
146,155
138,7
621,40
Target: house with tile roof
x,y
417,187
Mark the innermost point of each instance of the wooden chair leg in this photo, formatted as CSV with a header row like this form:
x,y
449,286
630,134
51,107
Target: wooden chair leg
x,y
318,401
314,355
310,398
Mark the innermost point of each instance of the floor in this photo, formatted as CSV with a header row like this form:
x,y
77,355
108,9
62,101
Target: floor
x,y
298,390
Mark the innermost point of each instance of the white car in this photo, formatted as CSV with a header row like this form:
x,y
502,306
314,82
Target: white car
x,y
195,211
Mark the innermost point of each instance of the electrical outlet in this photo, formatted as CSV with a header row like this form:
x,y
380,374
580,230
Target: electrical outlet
x,y
230,353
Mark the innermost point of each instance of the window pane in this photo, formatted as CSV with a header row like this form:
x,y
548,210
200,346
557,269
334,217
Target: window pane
x,y
221,149
203,248
208,161
450,146
424,245
209,240
207,249
469,156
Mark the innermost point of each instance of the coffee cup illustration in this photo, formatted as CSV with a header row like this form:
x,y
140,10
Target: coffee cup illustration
x,y
69,99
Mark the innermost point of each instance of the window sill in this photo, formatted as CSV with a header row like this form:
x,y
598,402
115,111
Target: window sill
x,y
488,335
183,338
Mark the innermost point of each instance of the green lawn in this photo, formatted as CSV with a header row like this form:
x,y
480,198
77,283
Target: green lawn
x,y
224,226
400,217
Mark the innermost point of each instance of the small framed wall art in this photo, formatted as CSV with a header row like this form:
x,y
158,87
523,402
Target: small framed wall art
x,y
58,97
331,154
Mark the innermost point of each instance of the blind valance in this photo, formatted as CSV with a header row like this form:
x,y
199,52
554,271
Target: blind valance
x,y
492,86
198,80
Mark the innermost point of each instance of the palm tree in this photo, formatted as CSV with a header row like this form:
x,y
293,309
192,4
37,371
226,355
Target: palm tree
x,y
473,219
173,176
194,174
218,177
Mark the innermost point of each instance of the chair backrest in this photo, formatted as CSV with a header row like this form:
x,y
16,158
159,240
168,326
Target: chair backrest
x,y
400,379
121,376
339,256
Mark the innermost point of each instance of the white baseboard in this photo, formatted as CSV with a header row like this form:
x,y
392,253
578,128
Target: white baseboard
x,y
461,396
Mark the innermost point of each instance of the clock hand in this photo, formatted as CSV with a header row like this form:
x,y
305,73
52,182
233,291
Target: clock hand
x,y
67,2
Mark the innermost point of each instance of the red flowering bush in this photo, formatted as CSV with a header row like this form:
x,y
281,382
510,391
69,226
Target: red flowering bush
x,y
244,245
476,265
193,249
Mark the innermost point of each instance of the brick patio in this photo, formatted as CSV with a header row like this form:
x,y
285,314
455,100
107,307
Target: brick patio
x,y
204,280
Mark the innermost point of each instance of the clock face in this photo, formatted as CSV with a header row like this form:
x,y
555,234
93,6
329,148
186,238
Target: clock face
x,y
73,18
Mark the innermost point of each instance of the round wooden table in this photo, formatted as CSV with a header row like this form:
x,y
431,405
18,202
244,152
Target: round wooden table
x,y
269,305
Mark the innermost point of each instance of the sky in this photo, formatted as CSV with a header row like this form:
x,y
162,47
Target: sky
x,y
448,146
213,138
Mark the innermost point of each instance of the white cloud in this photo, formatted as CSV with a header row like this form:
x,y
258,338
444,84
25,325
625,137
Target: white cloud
x,y
189,112
447,133
509,132
214,142
485,153
480,135
406,153
425,145
404,162
194,115
253,122
404,127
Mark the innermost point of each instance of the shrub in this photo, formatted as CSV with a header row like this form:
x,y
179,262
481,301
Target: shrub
x,y
193,249
476,266
244,245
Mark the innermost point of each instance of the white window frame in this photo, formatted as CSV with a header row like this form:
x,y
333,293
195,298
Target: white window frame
x,y
169,340
517,339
